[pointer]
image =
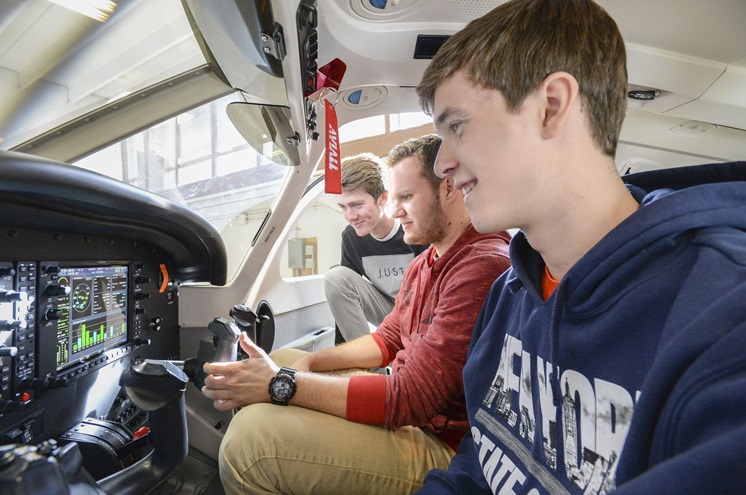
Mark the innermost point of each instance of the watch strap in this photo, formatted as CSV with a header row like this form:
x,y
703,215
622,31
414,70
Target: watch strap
x,y
285,373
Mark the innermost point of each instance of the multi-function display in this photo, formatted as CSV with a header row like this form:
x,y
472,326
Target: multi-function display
x,y
93,315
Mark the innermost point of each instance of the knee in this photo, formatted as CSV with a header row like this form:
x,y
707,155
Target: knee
x,y
251,431
338,279
247,439
235,446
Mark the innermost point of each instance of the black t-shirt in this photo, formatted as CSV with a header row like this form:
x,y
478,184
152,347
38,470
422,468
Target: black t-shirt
x,y
381,261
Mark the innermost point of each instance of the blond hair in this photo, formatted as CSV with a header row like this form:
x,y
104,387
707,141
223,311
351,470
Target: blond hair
x,y
363,171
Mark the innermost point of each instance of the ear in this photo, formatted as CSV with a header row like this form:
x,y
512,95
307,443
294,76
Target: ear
x,y
383,198
560,94
447,185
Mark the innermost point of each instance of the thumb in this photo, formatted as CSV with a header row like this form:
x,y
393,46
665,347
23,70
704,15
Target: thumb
x,y
251,349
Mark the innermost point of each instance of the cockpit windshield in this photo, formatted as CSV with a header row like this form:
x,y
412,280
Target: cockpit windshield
x,y
57,65
61,71
199,159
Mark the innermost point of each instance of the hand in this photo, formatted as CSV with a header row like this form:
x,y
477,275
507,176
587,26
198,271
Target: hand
x,y
240,383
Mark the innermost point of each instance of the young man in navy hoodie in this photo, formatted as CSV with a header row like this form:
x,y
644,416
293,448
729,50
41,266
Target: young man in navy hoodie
x,y
611,357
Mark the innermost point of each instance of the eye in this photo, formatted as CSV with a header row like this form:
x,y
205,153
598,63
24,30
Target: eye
x,y
455,126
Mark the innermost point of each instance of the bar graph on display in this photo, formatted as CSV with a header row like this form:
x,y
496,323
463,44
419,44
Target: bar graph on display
x,y
93,332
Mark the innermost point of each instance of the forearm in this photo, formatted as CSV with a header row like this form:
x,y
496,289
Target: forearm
x,y
360,353
321,393
245,382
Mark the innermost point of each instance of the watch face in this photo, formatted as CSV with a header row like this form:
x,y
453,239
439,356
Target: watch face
x,y
282,388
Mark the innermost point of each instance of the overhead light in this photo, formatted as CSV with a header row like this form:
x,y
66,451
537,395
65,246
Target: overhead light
x,y
99,10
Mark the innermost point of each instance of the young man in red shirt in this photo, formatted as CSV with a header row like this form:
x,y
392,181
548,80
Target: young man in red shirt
x,y
371,433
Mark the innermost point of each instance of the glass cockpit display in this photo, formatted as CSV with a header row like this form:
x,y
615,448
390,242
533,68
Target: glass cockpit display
x,y
92,314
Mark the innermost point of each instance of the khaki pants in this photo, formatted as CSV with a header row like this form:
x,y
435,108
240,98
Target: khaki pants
x,y
292,450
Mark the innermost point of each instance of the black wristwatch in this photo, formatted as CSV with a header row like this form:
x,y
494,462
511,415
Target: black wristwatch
x,y
282,386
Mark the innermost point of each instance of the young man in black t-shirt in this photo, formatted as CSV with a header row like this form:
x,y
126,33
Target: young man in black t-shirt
x,y
363,287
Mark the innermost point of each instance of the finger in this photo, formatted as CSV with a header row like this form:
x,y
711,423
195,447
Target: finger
x,y
249,348
216,381
217,368
208,392
216,394
225,405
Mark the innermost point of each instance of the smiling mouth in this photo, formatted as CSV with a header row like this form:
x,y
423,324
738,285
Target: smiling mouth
x,y
467,188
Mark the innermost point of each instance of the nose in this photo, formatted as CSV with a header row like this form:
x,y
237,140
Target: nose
x,y
445,163
396,209
350,215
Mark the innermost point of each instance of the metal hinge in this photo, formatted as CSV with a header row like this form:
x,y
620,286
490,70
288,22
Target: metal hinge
x,y
274,44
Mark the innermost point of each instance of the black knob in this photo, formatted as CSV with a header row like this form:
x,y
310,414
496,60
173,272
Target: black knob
x,y
59,382
12,296
8,351
52,314
12,324
56,290
30,383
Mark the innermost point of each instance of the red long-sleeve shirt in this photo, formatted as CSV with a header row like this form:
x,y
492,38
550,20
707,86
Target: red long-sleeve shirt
x,y
426,336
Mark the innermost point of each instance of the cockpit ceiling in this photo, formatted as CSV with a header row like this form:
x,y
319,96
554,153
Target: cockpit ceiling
x,y
686,49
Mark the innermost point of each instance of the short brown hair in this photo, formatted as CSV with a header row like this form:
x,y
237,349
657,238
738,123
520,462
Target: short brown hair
x,y
425,148
514,47
363,171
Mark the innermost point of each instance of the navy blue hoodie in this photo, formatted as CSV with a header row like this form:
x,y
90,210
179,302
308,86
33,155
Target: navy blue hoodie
x,y
631,377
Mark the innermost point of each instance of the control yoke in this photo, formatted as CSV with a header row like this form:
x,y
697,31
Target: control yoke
x,y
226,335
223,346
154,386
246,320
249,322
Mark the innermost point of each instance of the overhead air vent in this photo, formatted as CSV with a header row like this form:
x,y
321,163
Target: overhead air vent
x,y
427,45
692,128
384,9
362,97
